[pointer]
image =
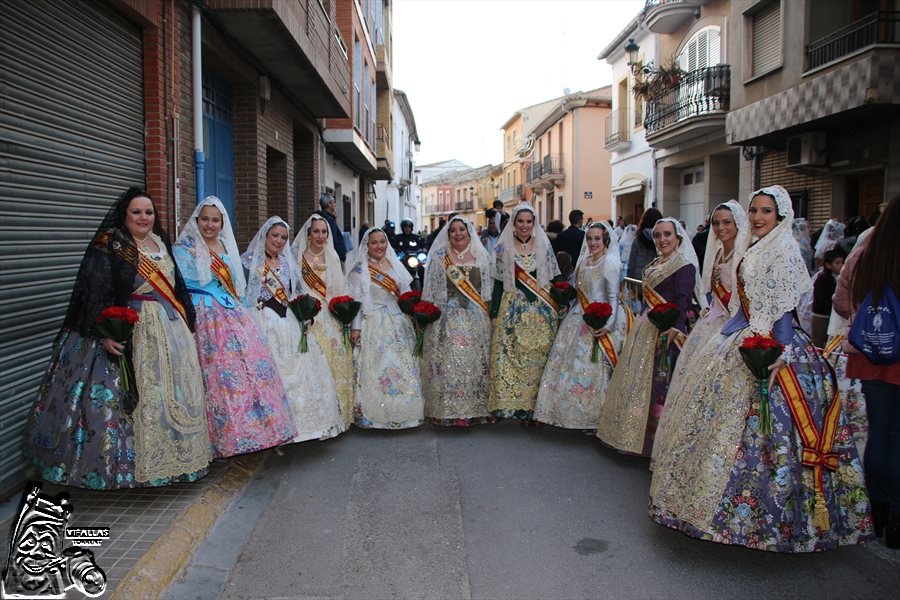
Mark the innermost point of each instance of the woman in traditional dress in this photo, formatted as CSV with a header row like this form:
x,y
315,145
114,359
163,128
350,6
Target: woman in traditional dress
x,y
523,314
85,429
457,347
273,280
323,275
573,387
637,391
732,236
246,406
721,476
388,389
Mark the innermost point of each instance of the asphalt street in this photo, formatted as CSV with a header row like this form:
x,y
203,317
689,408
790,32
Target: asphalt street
x,y
491,512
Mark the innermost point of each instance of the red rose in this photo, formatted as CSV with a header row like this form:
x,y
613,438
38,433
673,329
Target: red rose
x,y
598,309
119,313
338,300
413,295
663,307
425,308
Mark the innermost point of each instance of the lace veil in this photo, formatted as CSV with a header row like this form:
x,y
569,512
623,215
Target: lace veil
x,y
686,249
435,288
547,268
199,267
713,245
254,259
831,235
774,273
612,268
334,274
359,283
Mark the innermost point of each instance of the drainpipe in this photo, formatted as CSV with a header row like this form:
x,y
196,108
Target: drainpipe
x,y
196,57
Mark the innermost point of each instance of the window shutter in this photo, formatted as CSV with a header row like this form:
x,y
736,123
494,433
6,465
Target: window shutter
x,y
767,38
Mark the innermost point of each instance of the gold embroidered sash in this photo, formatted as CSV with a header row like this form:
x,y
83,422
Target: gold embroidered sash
x,y
832,345
721,293
384,280
313,280
148,270
223,274
272,282
462,283
525,278
605,342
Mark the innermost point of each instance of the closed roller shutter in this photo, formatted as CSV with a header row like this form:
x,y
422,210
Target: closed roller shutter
x,y
71,140
767,38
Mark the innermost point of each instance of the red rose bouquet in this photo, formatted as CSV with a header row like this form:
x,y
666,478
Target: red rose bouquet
x,y
407,300
562,293
305,307
596,314
424,313
344,309
117,323
759,353
664,316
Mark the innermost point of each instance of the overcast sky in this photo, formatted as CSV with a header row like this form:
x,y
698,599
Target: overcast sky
x,y
468,65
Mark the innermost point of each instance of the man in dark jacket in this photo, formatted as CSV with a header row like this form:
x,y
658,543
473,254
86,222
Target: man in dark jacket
x,y
329,212
699,243
569,241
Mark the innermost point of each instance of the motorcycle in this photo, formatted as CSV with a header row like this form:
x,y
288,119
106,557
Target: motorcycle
x,y
412,256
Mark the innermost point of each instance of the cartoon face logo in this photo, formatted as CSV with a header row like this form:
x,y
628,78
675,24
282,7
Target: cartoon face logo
x,y
39,564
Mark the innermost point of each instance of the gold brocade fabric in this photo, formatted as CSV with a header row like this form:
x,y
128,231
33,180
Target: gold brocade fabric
x,y
624,414
330,334
455,357
521,343
704,421
170,426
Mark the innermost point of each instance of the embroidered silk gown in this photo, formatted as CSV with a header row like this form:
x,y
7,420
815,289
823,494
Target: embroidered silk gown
x,y
307,379
637,391
521,343
247,409
455,357
330,334
573,387
388,388
78,433
718,477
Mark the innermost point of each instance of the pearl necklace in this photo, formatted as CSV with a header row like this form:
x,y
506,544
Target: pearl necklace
x,y
314,255
461,255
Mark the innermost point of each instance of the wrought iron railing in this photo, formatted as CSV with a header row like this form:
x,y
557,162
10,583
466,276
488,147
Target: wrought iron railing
x,y
700,92
507,194
552,164
533,170
651,4
880,27
464,205
632,294
616,127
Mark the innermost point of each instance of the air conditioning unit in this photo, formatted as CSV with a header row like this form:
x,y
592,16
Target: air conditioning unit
x,y
807,150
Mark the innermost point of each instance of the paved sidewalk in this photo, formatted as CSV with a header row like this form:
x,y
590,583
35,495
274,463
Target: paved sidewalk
x,y
139,518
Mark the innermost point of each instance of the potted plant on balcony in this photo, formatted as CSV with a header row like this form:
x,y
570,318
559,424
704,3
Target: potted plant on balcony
x,y
654,83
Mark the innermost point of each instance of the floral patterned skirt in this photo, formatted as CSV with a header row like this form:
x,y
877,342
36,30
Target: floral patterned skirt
x,y
717,477
388,386
77,433
246,405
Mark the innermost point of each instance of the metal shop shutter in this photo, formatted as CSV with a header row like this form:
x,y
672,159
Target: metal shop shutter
x,y
71,140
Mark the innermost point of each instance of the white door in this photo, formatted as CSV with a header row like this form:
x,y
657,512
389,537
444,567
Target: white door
x,y
692,204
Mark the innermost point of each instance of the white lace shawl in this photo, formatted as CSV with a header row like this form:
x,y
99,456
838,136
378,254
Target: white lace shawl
x,y
831,235
335,282
612,268
713,245
200,262
772,270
435,287
359,283
504,251
254,260
686,249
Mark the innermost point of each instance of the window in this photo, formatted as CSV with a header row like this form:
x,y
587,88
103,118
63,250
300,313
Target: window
x,y
364,127
702,50
766,38
357,83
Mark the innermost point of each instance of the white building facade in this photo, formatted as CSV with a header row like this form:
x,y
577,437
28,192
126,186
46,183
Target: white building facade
x,y
400,197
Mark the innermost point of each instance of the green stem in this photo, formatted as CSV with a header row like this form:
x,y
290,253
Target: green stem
x,y
594,350
765,413
664,359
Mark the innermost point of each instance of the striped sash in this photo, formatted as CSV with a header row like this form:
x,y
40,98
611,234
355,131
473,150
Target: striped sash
x,y
313,280
273,284
462,283
384,280
654,299
223,274
149,270
605,342
525,278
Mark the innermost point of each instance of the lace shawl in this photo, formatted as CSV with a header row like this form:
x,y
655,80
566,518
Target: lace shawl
x,y
612,265
359,284
254,260
686,249
435,287
547,267
713,244
199,265
334,273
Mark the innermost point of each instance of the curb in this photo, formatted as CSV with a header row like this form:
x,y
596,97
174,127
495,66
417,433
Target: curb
x,y
153,573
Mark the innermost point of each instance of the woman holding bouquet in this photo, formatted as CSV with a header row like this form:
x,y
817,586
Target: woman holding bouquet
x,y
573,385
95,425
637,391
273,280
246,406
320,267
457,348
523,313
388,387
723,253
775,470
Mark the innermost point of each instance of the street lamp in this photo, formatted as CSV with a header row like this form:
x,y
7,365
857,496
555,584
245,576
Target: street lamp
x,y
417,144
631,54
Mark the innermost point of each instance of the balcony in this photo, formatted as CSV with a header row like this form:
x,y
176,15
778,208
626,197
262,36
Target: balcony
x,y
465,205
383,66
694,107
665,16
617,137
533,171
383,153
508,194
297,44
354,148
880,27
552,170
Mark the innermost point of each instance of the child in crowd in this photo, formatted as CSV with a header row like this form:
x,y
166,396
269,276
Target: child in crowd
x,y
823,290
